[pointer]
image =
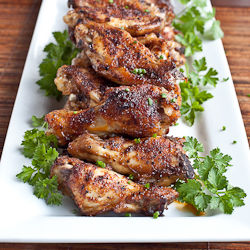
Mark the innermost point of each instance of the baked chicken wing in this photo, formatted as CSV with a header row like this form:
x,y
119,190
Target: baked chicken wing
x,y
160,160
137,111
83,86
136,17
96,190
119,57
161,48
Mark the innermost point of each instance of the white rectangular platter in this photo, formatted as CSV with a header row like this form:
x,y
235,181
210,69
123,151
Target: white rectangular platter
x,y
24,218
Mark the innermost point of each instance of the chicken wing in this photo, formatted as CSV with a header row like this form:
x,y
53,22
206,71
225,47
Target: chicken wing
x,y
84,87
137,111
161,48
160,160
136,17
119,57
96,190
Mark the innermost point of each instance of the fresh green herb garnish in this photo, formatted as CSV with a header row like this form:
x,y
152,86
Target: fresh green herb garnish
x,y
127,215
248,95
173,100
38,122
147,185
134,42
126,7
191,21
131,177
37,146
57,55
210,177
234,142
224,128
74,211
137,140
122,28
225,79
127,89
150,101
164,95
100,164
147,11
139,71
161,57
111,1
156,215
129,182
192,97
154,135
176,124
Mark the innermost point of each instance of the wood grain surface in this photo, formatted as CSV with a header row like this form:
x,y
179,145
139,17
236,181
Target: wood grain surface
x,y
17,22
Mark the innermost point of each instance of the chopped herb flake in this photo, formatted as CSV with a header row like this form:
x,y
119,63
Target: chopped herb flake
x,y
150,101
156,215
100,164
131,177
137,140
127,215
154,135
147,185
164,95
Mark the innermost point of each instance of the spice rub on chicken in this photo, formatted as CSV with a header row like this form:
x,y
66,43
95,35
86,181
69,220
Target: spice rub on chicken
x,y
136,17
160,160
84,86
96,190
164,49
137,111
119,57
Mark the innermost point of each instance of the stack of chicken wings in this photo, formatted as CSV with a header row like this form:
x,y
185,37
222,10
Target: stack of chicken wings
x,y
122,98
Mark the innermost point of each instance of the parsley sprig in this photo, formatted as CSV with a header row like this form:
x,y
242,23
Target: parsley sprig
x,y
210,188
192,96
37,146
57,55
191,22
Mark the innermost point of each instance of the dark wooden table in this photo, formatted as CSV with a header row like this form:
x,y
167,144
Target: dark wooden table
x,y
17,21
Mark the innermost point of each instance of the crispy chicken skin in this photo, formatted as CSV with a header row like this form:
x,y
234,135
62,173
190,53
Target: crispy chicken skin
x,y
84,87
137,111
168,50
97,190
159,160
136,17
115,55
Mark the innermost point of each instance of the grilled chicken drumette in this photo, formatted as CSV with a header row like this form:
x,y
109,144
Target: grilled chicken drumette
x,y
136,17
137,111
96,190
119,57
160,160
83,86
161,48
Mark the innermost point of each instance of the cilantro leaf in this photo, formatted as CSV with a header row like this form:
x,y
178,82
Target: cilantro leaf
x,y
57,55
